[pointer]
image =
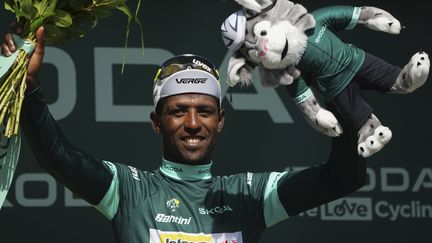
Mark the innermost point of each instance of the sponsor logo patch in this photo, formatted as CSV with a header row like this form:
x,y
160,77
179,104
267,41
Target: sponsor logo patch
x,y
164,218
134,173
173,204
157,236
216,210
191,80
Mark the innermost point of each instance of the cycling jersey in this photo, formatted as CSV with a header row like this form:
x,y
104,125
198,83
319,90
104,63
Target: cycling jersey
x,y
182,203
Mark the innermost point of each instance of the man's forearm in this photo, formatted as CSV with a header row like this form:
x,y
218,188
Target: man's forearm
x,y
81,173
344,173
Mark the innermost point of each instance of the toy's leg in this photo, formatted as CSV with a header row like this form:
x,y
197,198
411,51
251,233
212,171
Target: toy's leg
x,y
372,137
413,75
376,74
353,109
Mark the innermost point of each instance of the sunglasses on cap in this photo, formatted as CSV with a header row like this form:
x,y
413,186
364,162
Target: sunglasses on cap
x,y
183,62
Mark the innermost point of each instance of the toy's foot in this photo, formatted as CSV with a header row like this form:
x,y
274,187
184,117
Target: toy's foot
x,y
374,143
419,70
413,75
327,123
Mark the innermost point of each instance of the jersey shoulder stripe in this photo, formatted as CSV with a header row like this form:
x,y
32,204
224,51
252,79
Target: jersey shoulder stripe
x,y
109,203
274,211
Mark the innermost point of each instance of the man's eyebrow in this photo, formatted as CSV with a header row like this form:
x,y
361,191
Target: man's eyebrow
x,y
207,107
176,105
186,106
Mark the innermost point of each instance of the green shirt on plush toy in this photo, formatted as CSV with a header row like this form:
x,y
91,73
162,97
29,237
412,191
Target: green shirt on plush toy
x,y
332,62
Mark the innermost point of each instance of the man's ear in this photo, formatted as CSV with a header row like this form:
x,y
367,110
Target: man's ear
x,y
155,122
221,120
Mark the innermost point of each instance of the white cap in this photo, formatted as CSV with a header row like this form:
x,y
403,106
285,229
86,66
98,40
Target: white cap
x,y
233,30
187,81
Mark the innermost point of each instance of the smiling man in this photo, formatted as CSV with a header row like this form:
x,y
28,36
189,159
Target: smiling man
x,y
189,122
181,201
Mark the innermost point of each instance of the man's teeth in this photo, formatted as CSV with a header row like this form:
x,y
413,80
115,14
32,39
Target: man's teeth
x,y
193,140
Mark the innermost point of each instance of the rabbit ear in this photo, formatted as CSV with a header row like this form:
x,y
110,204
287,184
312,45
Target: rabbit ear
x,y
281,9
300,17
250,4
296,14
306,22
239,71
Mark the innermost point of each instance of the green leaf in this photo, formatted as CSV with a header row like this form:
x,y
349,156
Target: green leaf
x,y
19,13
40,6
54,35
51,5
8,6
45,7
125,9
39,21
100,13
28,9
62,18
10,2
109,3
36,23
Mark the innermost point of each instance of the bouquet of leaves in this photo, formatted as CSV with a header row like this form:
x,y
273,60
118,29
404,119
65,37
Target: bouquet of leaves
x,y
62,20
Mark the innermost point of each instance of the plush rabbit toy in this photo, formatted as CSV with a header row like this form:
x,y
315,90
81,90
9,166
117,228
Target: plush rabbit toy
x,y
302,51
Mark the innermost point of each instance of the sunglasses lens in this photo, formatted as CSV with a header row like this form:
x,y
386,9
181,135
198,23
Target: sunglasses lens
x,y
170,70
183,62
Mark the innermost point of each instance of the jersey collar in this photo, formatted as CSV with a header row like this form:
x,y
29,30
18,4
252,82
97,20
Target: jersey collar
x,y
185,172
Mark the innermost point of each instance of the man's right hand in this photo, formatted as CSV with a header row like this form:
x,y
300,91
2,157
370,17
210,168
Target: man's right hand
x,y
35,63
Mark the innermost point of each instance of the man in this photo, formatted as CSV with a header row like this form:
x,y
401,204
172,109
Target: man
x,y
181,201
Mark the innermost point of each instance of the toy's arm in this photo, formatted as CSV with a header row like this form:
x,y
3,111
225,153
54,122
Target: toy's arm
x,y
239,70
338,17
379,20
319,118
347,17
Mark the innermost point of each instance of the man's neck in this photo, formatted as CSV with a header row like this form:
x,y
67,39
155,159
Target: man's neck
x,y
185,172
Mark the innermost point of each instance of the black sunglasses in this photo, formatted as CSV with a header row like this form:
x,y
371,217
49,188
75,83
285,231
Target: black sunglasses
x,y
183,62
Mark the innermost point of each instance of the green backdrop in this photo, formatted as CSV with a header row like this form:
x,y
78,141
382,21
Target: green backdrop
x,y
106,114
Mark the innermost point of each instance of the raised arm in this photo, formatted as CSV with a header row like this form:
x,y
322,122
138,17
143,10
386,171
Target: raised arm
x,y
379,20
347,17
344,172
81,173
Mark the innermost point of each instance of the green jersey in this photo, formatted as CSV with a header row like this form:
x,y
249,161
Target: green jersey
x,y
330,62
181,203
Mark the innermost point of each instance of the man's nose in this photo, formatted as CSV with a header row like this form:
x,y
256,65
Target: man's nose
x,y
192,123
